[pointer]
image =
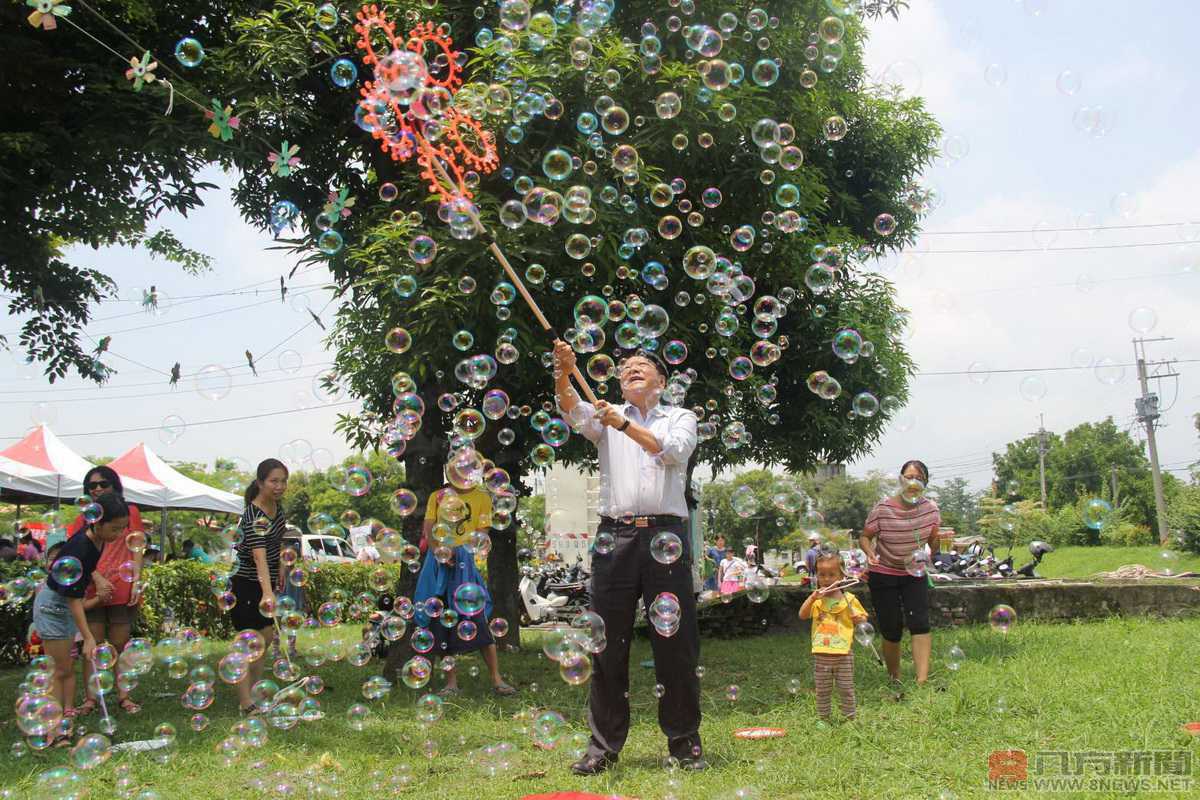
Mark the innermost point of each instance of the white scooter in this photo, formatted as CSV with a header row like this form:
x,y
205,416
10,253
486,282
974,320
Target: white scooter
x,y
538,609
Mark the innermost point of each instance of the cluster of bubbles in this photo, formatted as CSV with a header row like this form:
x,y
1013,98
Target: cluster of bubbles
x,y
569,185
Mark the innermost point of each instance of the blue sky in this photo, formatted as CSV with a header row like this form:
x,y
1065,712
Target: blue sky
x,y
989,72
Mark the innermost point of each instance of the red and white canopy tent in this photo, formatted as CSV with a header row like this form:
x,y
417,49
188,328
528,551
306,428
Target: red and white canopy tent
x,y
40,466
149,481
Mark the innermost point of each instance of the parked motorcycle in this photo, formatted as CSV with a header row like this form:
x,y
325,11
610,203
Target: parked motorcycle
x,y
554,594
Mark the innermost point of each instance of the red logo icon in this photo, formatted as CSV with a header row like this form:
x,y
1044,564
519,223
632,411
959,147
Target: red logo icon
x,y
1007,766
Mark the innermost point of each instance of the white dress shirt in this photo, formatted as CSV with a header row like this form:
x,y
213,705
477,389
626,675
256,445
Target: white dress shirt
x,y
633,481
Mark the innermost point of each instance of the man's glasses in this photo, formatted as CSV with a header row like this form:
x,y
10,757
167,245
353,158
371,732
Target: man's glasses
x,y
96,485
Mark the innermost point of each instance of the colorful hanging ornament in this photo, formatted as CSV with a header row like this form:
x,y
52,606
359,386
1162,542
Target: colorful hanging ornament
x,y
223,121
45,11
141,71
285,160
339,203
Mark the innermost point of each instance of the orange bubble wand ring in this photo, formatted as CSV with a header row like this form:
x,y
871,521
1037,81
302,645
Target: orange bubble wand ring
x,y
403,137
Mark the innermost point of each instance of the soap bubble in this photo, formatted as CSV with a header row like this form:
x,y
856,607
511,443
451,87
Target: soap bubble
x,y
397,340
743,501
1002,617
604,543
422,249
1143,320
66,571
547,729
213,382
189,52
666,547
917,563
343,73
1097,513
430,708
885,224
954,658
835,129
864,633
416,672
1032,388
356,716
469,599
91,751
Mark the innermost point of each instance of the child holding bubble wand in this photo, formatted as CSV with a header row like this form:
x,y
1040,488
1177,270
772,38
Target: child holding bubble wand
x,y
834,613
58,612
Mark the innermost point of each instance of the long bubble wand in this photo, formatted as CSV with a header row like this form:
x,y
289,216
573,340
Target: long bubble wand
x,y
495,250
403,73
108,725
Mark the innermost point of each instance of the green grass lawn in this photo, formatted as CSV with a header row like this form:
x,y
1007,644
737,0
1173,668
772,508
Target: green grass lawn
x,y
1120,684
1081,562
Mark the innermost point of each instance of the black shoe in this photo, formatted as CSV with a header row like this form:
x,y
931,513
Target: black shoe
x,y
593,764
697,764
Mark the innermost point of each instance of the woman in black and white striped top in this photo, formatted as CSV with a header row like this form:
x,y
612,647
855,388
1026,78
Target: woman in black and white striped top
x,y
257,574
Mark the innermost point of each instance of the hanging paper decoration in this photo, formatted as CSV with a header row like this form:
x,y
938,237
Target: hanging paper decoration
x,y
285,160
339,203
223,121
45,11
141,71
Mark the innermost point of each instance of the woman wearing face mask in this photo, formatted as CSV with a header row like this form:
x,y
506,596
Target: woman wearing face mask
x,y
894,539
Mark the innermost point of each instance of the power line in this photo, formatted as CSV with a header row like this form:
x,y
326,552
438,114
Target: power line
x,y
988,371
202,423
99,390
180,320
1068,248
1060,230
101,397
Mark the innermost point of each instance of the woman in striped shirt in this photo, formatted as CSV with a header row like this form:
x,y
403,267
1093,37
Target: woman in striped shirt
x,y
894,539
257,575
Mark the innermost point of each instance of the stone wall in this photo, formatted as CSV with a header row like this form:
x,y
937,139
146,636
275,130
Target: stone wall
x,y
965,604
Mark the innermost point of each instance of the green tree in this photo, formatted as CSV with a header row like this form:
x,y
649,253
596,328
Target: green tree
x,y
959,506
1080,464
745,508
792,172
845,501
85,160
327,492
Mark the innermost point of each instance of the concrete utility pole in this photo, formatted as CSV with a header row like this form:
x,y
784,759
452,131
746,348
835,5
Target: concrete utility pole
x,y
1146,407
1113,477
1042,455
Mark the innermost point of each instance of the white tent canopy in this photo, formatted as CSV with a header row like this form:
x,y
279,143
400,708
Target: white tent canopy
x,y
40,466
151,482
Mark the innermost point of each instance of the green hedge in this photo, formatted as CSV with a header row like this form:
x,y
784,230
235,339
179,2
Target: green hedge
x,y
184,587
14,618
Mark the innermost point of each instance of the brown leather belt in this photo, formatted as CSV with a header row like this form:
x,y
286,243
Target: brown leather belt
x,y
642,521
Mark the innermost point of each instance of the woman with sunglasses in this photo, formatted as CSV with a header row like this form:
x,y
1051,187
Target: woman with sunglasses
x,y
115,584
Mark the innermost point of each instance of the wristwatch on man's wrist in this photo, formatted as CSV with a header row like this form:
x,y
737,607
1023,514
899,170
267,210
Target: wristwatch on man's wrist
x,y
623,425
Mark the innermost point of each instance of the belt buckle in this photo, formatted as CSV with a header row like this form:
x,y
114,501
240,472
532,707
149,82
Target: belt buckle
x,y
641,522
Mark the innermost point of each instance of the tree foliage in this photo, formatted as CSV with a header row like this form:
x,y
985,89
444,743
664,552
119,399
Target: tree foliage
x,y
959,506
1079,464
274,60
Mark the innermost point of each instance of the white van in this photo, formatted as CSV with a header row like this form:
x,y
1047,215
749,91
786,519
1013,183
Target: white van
x,y
321,547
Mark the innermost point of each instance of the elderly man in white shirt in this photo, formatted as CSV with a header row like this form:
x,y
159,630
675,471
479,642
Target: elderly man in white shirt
x,y
644,448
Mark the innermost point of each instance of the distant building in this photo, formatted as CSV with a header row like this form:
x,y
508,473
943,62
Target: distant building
x,y
572,511
824,472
